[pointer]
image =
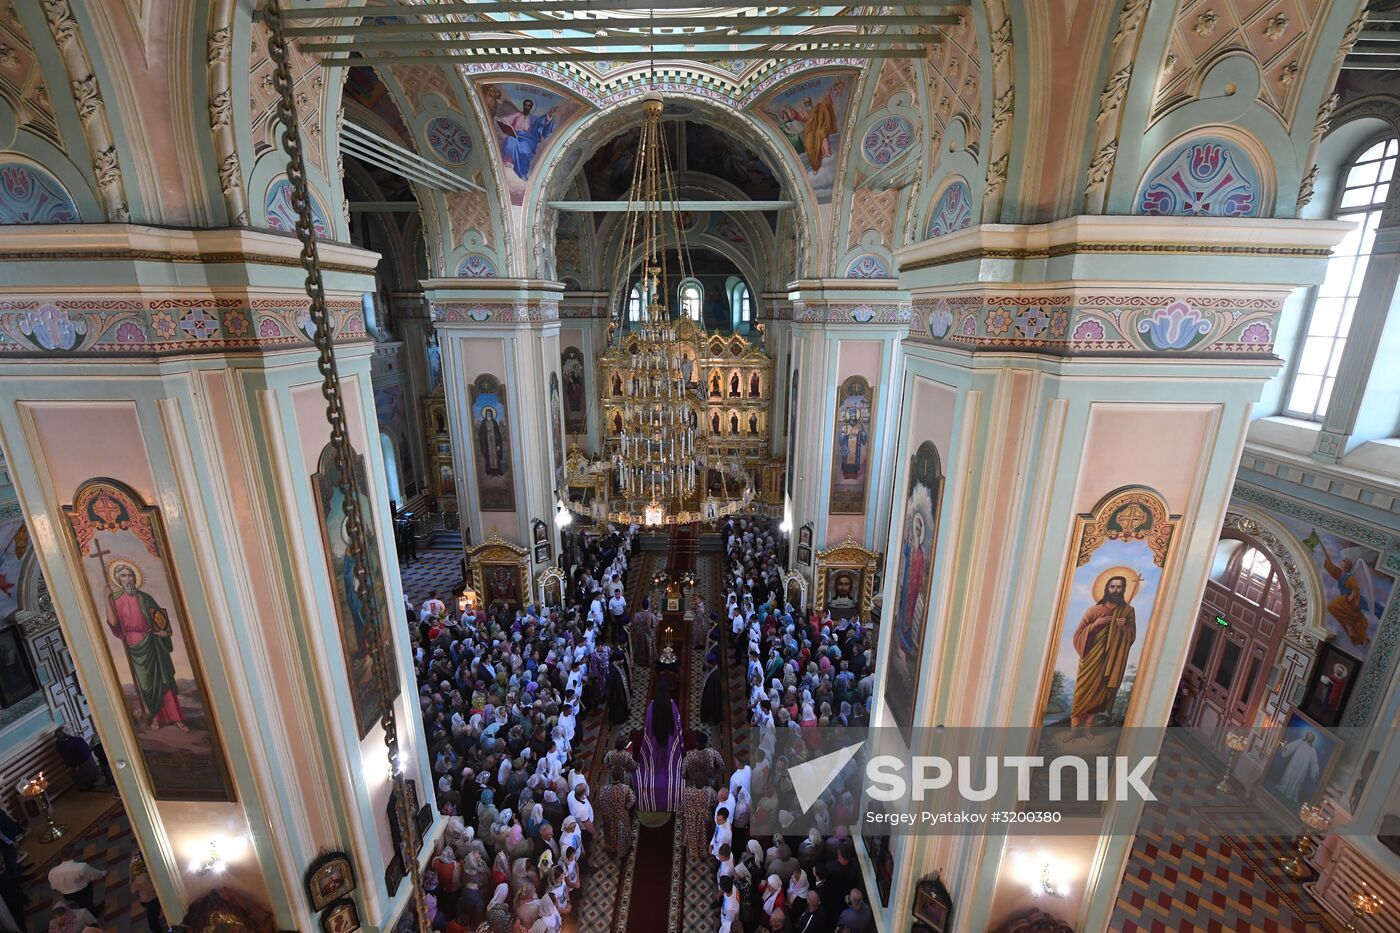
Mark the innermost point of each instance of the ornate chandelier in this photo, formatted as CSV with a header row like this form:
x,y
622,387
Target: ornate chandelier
x,y
659,465
655,469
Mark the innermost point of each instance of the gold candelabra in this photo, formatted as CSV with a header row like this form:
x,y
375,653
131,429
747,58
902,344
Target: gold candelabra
x,y
1236,743
36,788
1316,819
1363,903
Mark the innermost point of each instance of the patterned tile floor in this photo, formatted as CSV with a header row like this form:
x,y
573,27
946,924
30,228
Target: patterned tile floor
x,y
106,845
433,570
693,883
1181,878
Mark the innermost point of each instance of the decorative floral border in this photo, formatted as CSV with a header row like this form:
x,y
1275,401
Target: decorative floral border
x,y
852,313
163,326
1089,323
495,312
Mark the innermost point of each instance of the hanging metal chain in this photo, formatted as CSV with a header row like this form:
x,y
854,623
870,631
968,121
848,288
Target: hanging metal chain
x,y
347,480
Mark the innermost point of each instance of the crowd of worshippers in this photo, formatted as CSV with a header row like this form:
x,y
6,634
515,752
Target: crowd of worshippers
x,y
818,672
503,691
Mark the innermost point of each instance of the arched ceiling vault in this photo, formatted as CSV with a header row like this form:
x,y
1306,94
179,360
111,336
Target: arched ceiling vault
x,y
1019,112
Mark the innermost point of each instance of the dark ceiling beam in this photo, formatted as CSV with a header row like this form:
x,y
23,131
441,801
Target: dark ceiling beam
x,y
593,25
384,207
659,56
621,207
542,6
545,42
1371,65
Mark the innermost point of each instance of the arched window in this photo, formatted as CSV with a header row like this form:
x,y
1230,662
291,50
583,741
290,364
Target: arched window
x,y
1256,579
1320,347
692,296
745,303
634,305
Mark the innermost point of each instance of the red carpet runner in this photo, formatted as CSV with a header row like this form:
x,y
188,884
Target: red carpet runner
x,y
650,907
651,879
683,547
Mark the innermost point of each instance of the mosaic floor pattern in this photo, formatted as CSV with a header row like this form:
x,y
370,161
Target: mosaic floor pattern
x,y
106,845
692,882
433,570
1181,878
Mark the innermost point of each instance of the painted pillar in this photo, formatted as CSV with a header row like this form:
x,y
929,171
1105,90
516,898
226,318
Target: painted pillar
x,y
500,363
411,318
1030,411
165,433
844,344
583,336
773,316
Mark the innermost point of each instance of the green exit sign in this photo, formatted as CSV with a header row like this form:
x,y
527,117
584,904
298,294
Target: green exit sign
x,y
1221,621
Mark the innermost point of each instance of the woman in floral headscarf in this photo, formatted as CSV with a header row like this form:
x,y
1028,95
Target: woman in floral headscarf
x,y
499,918
449,870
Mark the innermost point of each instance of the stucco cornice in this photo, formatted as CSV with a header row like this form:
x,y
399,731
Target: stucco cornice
x,y
138,243
1222,236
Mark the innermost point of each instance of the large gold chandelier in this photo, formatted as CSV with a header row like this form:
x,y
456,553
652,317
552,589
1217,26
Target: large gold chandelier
x,y
659,465
655,465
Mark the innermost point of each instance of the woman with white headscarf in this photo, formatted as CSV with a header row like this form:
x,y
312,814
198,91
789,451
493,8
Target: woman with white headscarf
x,y
773,899
753,855
797,887
571,835
534,821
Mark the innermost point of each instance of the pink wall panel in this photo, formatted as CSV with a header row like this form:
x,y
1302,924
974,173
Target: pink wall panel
x,y
1161,446
855,358
70,433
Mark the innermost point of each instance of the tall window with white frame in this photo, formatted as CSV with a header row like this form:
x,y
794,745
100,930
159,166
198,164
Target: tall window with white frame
x,y
1363,194
634,305
691,296
745,304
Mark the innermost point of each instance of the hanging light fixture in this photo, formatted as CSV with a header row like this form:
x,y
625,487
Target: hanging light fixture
x,y
658,457
655,464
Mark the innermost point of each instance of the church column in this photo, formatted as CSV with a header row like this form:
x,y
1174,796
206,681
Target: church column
x,y
583,336
414,326
500,363
844,346
1050,429
774,316
1351,418
166,441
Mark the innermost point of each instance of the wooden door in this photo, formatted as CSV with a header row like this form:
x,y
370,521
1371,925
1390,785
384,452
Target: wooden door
x,y
1238,630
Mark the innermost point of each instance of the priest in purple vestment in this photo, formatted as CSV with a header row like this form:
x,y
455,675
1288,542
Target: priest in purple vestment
x,y
659,780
